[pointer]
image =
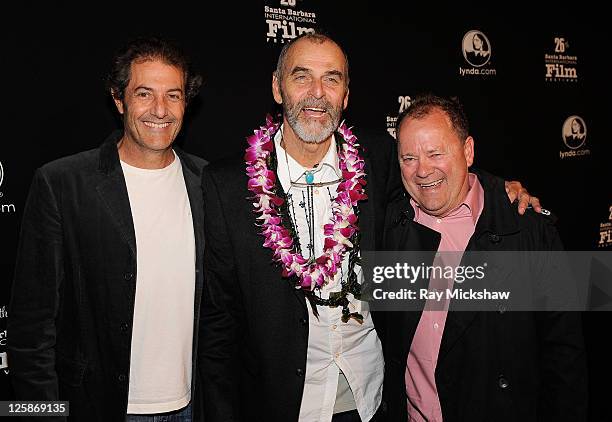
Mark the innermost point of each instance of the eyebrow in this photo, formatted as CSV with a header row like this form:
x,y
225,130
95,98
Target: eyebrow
x,y
151,89
298,69
428,151
335,73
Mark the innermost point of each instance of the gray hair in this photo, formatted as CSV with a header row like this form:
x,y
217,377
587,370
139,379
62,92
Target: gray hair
x,y
314,37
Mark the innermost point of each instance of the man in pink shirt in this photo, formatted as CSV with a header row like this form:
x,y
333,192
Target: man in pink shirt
x,y
471,366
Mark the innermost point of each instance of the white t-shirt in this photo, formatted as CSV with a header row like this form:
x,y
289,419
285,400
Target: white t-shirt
x,y
162,333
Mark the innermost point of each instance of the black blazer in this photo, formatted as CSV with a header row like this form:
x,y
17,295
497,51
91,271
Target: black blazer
x,y
492,366
72,306
254,323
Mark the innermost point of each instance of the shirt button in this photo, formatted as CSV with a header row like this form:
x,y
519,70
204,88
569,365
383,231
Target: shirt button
x,y
438,220
337,355
128,276
503,382
304,321
502,309
299,372
124,327
316,191
436,325
122,377
333,327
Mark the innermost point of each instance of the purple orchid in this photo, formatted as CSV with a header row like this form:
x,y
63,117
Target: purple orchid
x,y
343,224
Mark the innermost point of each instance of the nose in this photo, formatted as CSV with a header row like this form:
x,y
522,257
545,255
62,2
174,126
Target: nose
x,y
159,109
316,88
424,169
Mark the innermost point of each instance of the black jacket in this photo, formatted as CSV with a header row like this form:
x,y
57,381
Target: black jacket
x,y
72,306
254,326
492,366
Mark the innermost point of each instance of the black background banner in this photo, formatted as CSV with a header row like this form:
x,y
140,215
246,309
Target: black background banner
x,y
543,71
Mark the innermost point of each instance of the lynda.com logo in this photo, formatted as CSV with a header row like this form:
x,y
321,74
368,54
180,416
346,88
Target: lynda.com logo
x,y
4,207
476,48
574,132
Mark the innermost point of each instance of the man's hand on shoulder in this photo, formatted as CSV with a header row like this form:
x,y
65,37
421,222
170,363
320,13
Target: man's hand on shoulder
x,y
515,190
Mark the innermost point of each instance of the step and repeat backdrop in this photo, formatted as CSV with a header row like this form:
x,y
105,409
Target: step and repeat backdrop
x,y
534,87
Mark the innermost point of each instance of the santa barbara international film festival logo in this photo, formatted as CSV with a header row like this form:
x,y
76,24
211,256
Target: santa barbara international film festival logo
x,y
4,208
285,22
477,52
560,66
404,102
605,231
574,135
3,340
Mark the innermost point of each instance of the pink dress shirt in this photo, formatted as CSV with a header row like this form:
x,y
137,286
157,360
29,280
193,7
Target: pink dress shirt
x,y
456,229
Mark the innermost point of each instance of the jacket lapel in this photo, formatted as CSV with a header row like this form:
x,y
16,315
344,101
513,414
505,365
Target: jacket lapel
x,y
406,235
192,176
113,190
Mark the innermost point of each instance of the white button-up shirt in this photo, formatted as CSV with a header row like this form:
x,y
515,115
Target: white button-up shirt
x,y
333,345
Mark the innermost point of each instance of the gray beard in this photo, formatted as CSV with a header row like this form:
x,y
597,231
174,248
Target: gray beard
x,y
311,132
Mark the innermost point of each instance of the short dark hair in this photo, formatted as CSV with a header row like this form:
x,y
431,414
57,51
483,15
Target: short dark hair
x,y
315,37
425,104
150,48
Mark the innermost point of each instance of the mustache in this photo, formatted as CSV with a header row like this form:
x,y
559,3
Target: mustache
x,y
311,102
151,118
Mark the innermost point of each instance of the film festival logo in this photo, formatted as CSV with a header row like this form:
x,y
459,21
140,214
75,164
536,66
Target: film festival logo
x,y
3,335
605,232
285,22
477,53
3,359
4,363
4,208
574,134
404,102
560,66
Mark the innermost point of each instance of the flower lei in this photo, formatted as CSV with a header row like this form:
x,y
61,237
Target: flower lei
x,y
341,234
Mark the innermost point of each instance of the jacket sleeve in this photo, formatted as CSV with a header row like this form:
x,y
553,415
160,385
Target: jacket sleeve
x,y
222,314
563,393
36,295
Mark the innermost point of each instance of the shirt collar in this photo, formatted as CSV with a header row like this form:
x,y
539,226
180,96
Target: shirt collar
x,y
328,169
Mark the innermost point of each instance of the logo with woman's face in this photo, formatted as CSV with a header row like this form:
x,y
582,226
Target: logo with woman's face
x,y
476,48
574,132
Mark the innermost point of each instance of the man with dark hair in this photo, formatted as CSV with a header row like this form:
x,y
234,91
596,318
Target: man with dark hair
x,y
284,335
109,271
472,365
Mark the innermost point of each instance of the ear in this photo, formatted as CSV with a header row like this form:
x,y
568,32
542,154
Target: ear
x,y
276,90
118,102
345,103
468,150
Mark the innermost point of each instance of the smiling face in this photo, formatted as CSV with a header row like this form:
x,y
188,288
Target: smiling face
x,y
153,106
434,162
313,89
